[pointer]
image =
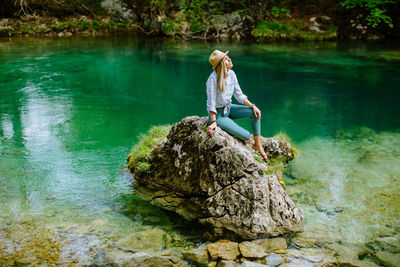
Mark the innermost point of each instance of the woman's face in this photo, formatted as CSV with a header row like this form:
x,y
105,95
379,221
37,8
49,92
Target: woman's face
x,y
228,62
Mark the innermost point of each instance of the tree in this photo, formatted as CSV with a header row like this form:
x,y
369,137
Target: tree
x,y
376,8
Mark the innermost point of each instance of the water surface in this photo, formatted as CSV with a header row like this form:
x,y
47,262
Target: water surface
x,y
70,111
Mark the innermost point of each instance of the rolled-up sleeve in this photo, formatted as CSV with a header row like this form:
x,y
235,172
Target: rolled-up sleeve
x,y
237,92
211,87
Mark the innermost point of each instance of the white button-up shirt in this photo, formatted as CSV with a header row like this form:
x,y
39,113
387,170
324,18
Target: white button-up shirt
x,y
217,99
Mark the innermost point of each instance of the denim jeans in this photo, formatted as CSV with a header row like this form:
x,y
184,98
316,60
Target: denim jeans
x,y
226,123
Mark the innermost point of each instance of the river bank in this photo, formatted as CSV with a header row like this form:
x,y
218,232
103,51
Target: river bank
x,y
225,27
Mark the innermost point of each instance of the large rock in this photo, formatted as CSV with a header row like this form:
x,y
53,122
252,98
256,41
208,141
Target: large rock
x,y
219,181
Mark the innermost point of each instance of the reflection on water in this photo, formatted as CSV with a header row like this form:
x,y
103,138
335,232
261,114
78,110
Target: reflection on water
x,y
70,111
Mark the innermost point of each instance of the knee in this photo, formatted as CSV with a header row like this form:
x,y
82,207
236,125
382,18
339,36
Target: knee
x,y
251,114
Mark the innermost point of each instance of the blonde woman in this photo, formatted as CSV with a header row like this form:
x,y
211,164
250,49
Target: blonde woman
x,y
221,85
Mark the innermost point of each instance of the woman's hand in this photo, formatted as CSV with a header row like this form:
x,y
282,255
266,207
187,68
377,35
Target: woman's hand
x,y
211,128
257,112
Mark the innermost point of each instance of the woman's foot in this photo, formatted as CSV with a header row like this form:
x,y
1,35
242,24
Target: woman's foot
x,y
260,149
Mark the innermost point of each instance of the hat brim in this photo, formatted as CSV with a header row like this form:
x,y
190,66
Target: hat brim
x,y
219,61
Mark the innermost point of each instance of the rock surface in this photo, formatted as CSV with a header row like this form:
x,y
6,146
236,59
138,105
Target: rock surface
x,y
252,250
223,249
218,181
197,256
274,260
154,239
272,244
127,259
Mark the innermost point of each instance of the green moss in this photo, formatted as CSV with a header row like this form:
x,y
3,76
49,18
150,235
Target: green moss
x,y
275,165
283,137
141,151
291,30
258,158
142,166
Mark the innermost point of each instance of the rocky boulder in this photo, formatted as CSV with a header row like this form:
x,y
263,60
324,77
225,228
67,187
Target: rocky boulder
x,y
218,181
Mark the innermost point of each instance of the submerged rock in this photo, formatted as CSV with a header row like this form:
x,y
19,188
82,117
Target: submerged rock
x,y
154,239
274,260
223,249
272,244
197,256
217,180
252,250
121,258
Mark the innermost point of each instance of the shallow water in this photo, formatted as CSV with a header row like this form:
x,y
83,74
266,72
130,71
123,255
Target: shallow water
x,y
70,111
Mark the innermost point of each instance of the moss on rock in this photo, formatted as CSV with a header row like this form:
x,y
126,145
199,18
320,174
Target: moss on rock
x,y
140,153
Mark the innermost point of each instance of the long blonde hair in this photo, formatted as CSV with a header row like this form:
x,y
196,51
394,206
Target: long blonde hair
x,y
222,72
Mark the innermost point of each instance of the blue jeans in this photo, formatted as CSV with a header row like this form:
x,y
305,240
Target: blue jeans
x,y
226,123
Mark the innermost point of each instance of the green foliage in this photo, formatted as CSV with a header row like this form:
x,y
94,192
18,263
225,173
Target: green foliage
x,y
240,11
377,16
291,30
168,25
272,29
95,24
283,137
142,166
85,24
141,151
196,13
275,165
280,11
159,4
376,8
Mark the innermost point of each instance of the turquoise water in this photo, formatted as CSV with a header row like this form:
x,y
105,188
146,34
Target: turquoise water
x,y
70,111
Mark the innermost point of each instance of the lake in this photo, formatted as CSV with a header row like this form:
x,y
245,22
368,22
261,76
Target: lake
x,y
71,110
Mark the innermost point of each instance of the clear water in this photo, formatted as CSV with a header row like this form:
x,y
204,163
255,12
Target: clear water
x,y
70,111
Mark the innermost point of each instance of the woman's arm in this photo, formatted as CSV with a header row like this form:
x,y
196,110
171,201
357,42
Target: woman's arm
x,y
211,88
213,124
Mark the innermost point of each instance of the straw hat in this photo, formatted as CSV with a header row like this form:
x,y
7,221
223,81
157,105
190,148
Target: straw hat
x,y
216,57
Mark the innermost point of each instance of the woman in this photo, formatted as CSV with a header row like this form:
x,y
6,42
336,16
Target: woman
x,y
221,85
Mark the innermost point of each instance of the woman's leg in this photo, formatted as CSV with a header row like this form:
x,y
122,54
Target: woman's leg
x,y
229,126
242,112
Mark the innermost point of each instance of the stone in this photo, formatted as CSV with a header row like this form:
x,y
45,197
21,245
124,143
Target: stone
x,y
312,255
350,255
118,8
223,249
388,259
343,261
198,256
129,259
251,264
225,263
313,238
218,181
26,261
274,260
272,244
385,243
252,250
153,239
298,263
